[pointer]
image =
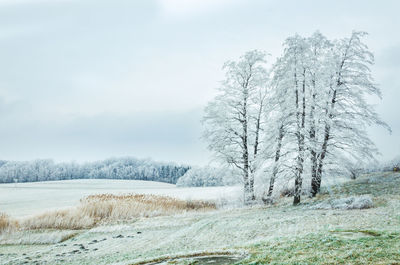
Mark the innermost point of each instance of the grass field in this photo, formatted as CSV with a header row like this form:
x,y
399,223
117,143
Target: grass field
x,y
279,234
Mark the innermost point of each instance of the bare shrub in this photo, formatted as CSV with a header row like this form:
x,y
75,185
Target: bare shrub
x,y
7,224
108,207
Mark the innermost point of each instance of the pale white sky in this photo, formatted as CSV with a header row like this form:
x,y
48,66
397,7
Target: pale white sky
x,y
85,80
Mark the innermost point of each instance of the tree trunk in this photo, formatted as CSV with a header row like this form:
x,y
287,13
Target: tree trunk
x,y
248,186
246,180
313,152
251,187
298,183
317,182
255,151
297,188
258,126
275,169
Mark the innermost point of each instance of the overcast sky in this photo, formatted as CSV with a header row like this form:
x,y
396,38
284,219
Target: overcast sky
x,y
86,80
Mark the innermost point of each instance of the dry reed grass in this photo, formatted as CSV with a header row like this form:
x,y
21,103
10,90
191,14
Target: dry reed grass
x,y
7,224
71,218
102,208
119,207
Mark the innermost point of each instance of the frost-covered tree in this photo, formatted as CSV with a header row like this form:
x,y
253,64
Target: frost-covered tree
x,y
289,79
319,48
232,120
346,113
320,111
277,137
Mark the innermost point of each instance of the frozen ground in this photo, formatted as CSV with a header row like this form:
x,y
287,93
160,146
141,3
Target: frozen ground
x,y
24,199
280,234
224,230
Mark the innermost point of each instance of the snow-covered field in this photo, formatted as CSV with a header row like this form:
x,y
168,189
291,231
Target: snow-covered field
x,y
24,199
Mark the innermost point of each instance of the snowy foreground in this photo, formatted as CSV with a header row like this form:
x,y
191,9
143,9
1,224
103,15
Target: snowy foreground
x,y
22,199
259,235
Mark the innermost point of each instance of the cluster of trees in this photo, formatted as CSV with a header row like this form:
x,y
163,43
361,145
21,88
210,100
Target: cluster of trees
x,y
115,168
208,177
307,115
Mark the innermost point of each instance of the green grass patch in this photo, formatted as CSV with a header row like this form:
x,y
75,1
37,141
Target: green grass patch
x,y
376,184
375,248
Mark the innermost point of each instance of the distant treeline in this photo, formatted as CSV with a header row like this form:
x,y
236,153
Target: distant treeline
x,y
115,168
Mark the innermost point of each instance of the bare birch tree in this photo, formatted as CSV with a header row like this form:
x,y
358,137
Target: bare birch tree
x,y
290,76
346,111
233,120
